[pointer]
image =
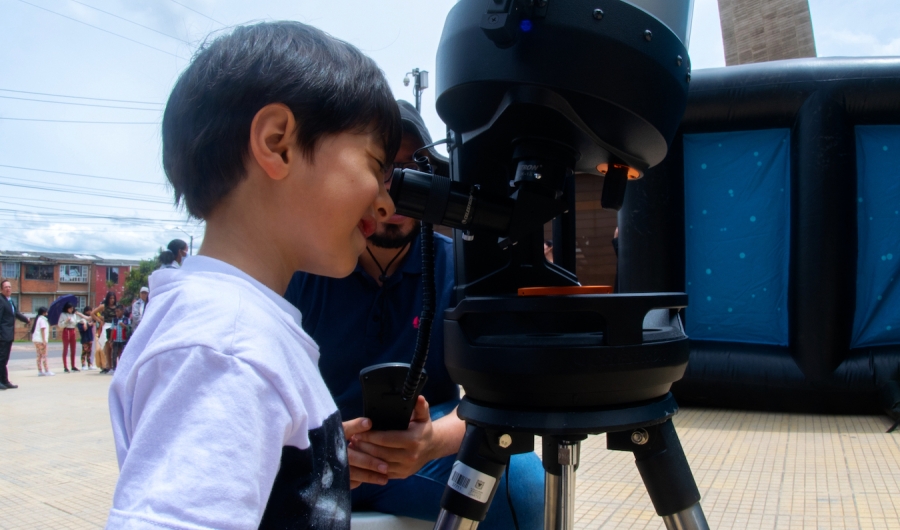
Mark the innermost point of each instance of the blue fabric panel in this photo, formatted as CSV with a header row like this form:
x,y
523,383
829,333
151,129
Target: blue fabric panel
x,y
877,319
737,235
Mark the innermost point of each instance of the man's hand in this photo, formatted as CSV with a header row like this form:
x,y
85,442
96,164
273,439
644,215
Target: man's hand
x,y
404,451
363,467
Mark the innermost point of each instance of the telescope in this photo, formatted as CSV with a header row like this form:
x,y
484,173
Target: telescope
x,y
534,92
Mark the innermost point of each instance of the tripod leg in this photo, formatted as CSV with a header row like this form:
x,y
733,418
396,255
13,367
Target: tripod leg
x,y
560,458
481,461
666,474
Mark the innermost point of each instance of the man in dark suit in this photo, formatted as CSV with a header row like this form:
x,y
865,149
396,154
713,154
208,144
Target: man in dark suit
x,y
8,316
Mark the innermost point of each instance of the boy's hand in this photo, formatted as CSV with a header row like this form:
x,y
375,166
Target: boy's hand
x,y
404,451
363,467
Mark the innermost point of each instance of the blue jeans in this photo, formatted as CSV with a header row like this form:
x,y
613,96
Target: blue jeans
x,y
419,496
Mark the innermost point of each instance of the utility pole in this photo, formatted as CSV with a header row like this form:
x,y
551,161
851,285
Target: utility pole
x,y
420,83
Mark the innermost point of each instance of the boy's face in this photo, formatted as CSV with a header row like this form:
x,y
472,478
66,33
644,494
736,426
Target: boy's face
x,y
119,312
337,199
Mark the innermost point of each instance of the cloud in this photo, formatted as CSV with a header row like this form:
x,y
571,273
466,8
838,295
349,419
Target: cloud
x,y
844,42
35,232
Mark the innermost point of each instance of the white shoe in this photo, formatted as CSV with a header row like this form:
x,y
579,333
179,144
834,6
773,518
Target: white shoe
x,y
83,368
40,373
49,373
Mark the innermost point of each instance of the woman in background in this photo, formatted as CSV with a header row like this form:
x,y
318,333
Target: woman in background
x,y
68,321
104,314
40,335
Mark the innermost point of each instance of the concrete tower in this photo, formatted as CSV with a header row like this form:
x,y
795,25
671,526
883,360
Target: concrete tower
x,y
756,31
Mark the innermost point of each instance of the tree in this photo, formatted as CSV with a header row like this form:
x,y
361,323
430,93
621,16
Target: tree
x,y
138,277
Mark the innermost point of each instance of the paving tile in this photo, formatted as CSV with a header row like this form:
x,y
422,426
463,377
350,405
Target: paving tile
x,y
754,469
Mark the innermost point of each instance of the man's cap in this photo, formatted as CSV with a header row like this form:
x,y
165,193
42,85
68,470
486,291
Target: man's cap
x,y
412,122
145,290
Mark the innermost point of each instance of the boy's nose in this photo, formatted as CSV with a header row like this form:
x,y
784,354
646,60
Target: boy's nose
x,y
384,206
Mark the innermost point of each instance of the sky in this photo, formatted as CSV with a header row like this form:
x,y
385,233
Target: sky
x,y
83,84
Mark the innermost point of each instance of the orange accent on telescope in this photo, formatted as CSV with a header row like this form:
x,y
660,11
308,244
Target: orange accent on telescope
x,y
561,291
633,174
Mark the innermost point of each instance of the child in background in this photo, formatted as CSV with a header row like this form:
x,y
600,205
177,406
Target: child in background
x,y
121,330
86,330
40,335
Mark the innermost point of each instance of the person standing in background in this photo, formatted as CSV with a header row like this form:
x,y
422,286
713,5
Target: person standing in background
x,y
8,315
68,321
179,249
138,307
40,335
121,331
86,330
104,315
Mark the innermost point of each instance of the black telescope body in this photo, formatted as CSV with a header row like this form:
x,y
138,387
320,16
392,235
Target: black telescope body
x,y
556,90
534,92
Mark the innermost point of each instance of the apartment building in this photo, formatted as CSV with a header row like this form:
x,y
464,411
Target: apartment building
x,y
39,278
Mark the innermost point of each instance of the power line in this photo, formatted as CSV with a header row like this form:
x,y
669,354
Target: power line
x,y
82,121
78,104
131,22
103,30
80,97
199,13
107,196
63,214
78,174
6,197
95,231
70,188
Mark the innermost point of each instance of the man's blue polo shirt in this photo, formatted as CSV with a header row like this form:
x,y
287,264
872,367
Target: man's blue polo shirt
x,y
357,324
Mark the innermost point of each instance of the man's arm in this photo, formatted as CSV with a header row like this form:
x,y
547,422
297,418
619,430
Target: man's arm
x,y
22,317
407,451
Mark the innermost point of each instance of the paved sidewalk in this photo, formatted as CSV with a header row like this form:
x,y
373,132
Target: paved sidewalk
x,y
755,470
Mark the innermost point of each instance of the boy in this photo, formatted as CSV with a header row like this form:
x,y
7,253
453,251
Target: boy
x,y
121,330
276,136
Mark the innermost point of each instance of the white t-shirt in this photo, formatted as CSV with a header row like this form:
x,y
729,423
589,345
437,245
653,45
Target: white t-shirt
x,y
219,414
42,330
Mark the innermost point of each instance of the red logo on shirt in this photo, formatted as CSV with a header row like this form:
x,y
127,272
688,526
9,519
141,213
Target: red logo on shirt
x,y
416,323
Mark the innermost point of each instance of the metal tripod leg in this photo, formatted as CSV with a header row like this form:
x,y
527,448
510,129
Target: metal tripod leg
x,y
480,463
560,456
666,473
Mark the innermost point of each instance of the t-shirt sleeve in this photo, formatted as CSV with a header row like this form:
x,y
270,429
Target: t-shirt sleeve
x,y
199,443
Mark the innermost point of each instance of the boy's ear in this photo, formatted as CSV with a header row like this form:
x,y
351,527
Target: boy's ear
x,y
272,139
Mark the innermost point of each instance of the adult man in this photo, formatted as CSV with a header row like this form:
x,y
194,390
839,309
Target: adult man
x,y
137,308
8,315
370,318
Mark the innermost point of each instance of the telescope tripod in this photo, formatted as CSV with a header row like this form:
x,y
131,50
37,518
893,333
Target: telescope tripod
x,y
493,435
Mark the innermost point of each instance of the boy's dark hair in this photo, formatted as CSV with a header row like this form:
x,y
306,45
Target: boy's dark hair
x,y
87,310
328,84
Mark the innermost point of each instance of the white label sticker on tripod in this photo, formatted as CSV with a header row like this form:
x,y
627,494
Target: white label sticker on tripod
x,y
471,482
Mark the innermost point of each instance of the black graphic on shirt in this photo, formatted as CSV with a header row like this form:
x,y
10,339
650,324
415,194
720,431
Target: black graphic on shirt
x,y
312,488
